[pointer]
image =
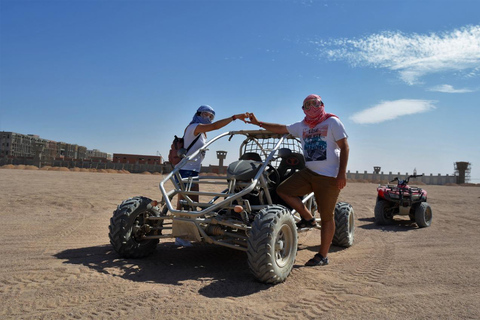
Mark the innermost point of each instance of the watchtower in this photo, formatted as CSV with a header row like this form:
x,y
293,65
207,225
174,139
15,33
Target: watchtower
x,y
462,171
221,155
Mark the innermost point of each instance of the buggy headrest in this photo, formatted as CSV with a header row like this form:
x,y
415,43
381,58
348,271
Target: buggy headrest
x,y
251,156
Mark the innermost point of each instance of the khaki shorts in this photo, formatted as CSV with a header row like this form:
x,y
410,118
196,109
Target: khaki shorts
x,y
325,189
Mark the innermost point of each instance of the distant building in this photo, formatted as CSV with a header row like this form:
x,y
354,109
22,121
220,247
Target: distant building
x,y
17,148
51,150
97,154
136,158
17,145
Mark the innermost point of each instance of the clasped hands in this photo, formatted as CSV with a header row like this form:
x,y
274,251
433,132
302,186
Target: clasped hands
x,y
247,117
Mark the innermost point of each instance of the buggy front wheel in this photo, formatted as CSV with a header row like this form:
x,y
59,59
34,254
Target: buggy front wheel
x,y
129,224
272,244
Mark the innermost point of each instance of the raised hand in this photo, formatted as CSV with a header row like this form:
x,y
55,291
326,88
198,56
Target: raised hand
x,y
252,119
242,116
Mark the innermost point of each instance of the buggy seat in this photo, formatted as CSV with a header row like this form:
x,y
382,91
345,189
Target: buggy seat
x,y
251,156
291,164
243,170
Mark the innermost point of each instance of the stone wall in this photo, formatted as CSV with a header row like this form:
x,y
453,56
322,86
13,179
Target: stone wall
x,y
383,177
166,168
131,167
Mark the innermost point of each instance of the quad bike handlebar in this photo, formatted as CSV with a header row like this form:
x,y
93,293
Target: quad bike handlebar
x,y
404,182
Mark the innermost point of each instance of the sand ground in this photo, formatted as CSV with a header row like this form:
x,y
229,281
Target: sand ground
x,y
57,263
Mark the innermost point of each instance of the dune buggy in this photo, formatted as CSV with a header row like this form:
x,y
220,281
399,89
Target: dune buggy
x,y
244,212
402,199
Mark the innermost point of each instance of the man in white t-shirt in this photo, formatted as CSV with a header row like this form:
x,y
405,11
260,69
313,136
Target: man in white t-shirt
x,y
326,150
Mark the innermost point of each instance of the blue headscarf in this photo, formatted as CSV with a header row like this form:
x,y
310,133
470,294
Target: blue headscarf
x,y
199,118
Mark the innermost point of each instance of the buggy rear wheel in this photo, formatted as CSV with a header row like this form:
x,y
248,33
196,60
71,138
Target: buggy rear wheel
x,y
423,215
344,225
272,244
129,224
383,212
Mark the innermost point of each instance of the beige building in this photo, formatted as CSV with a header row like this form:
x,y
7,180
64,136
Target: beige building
x,y
17,145
97,154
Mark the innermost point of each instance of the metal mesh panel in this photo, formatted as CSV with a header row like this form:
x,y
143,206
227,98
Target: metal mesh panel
x,y
263,146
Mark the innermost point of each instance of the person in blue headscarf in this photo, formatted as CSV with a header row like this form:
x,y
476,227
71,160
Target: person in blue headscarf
x,y
202,122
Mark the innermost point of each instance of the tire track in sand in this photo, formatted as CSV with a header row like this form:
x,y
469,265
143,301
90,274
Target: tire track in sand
x,y
322,295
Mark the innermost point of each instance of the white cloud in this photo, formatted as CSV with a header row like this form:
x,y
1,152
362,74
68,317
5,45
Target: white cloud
x,y
412,56
389,110
449,89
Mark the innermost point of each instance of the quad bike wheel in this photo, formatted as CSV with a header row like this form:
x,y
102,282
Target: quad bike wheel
x,y
344,225
382,215
272,244
128,225
423,215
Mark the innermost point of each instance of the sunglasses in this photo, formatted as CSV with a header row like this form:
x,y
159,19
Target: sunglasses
x,y
208,115
312,103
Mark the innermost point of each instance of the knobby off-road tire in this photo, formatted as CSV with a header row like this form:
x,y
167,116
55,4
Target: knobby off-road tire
x,y
381,212
272,244
126,228
344,225
423,215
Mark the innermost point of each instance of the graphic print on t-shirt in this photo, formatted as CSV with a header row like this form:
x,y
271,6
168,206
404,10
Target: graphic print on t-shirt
x,y
315,147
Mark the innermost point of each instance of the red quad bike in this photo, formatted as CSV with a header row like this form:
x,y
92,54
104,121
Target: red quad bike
x,y
402,200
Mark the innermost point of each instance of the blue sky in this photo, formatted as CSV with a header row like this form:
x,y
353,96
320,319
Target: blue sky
x,y
125,76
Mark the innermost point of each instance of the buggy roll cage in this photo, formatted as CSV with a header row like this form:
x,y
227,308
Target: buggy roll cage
x,y
182,186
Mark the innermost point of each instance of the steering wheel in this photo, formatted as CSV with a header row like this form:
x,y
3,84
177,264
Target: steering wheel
x,y
272,176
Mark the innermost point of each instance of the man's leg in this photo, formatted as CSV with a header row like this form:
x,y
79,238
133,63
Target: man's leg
x,y
296,203
326,236
293,188
326,195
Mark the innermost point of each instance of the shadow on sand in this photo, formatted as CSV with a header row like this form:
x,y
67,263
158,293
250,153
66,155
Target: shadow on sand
x,y
398,225
225,269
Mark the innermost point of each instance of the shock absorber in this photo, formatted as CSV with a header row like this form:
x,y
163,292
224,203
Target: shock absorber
x,y
214,230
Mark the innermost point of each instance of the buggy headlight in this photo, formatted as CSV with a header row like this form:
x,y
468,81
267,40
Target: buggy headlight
x,y
394,195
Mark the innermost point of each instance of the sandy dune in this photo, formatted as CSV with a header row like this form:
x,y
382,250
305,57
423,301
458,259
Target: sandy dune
x,y
57,263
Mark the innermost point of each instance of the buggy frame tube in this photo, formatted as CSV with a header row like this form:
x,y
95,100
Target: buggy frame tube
x,y
229,198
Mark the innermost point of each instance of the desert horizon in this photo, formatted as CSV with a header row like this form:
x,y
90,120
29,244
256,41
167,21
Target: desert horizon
x,y
95,170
